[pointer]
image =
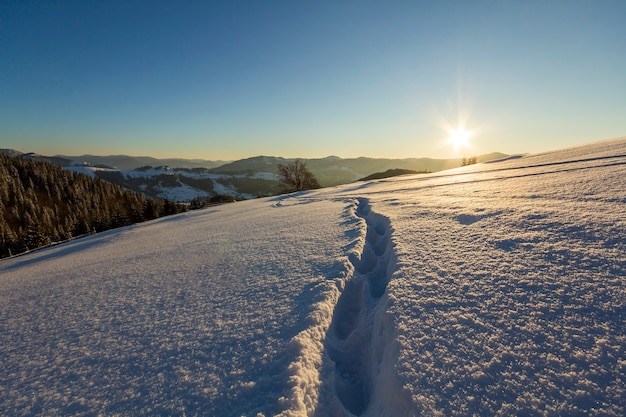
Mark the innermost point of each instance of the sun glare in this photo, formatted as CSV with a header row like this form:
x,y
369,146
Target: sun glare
x,y
459,138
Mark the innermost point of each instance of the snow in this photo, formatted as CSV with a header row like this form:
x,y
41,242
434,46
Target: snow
x,y
493,289
221,189
262,176
182,192
87,170
195,174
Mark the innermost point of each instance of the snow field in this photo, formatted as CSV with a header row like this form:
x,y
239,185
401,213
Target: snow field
x,y
205,313
494,289
510,297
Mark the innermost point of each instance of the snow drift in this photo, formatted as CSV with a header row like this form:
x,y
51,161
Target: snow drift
x,y
494,289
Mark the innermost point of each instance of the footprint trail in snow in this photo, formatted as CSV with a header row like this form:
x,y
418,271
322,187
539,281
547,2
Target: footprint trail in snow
x,y
351,342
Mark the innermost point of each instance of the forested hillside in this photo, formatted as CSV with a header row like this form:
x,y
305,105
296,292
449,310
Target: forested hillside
x,y
41,204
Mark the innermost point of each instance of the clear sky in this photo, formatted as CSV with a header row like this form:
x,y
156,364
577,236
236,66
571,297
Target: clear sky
x,y
232,79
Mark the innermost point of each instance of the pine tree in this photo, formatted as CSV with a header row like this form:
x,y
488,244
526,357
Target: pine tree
x,y
41,203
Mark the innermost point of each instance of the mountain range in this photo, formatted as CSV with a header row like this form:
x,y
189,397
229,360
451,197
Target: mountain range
x,y
187,179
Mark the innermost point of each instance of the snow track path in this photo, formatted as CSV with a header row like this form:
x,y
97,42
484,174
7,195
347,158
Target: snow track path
x,y
351,343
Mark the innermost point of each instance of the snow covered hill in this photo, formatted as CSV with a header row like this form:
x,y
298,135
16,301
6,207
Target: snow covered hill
x,y
188,179
493,289
181,184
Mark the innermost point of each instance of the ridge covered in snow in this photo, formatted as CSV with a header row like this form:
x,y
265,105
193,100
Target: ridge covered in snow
x,y
186,180
493,289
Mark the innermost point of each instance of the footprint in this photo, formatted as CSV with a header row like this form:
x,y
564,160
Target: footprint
x,y
349,341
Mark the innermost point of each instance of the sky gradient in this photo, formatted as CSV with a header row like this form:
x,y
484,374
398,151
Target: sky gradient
x,y
227,80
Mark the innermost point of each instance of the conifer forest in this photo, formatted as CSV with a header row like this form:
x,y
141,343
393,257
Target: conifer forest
x,y
42,204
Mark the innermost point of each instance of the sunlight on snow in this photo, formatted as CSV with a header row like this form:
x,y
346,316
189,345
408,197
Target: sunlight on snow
x,y
496,289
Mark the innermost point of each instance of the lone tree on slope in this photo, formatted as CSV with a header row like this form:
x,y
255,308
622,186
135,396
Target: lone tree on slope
x,y
295,176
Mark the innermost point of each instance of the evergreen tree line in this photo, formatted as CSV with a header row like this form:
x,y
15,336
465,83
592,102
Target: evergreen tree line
x,y
42,204
471,161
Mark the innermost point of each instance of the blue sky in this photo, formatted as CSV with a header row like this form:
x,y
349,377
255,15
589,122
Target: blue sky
x,y
232,79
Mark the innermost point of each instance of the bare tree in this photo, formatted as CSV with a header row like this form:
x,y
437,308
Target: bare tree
x,y
295,176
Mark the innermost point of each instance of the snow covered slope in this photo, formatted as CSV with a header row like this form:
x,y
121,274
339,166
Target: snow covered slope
x,y
494,289
180,184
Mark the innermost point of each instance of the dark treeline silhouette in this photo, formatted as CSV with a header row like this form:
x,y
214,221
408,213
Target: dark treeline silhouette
x,y
471,161
394,172
198,203
42,204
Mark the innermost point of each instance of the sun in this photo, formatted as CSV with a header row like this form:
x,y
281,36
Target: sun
x,y
459,138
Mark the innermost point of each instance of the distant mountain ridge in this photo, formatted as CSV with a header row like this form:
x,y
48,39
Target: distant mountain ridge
x,y
332,170
187,179
125,162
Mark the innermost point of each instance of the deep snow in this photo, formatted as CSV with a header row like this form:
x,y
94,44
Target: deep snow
x,y
494,289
